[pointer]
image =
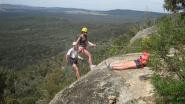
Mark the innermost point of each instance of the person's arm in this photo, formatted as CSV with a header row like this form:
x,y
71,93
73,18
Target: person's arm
x,y
68,54
78,40
91,44
67,58
79,57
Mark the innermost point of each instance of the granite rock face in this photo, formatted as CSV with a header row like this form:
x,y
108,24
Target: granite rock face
x,y
101,85
144,33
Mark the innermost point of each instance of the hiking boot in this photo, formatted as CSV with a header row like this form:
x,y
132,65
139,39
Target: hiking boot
x,y
109,66
92,67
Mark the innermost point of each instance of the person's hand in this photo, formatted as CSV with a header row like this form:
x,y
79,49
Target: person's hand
x,y
79,57
94,45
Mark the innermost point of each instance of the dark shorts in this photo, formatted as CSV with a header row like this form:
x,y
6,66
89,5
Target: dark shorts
x,y
73,61
138,64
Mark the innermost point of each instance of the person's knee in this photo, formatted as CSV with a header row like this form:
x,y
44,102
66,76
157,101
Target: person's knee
x,y
75,66
88,54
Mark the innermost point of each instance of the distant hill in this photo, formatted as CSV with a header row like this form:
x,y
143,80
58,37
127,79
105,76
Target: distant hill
x,y
104,16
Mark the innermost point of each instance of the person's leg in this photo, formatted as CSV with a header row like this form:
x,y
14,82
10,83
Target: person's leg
x,y
122,66
118,64
75,68
88,55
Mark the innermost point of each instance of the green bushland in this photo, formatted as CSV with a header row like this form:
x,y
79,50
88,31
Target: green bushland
x,y
169,91
7,89
171,34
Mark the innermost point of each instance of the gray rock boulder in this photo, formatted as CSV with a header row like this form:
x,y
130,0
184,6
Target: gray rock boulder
x,y
143,33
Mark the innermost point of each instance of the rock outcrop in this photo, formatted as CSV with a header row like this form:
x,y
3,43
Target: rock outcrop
x,y
101,85
143,33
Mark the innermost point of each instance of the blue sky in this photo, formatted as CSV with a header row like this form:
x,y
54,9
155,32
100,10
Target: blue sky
x,y
142,5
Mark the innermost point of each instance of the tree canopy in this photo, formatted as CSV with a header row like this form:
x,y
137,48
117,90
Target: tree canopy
x,y
174,5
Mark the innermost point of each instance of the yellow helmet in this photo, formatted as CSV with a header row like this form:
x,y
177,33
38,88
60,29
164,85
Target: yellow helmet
x,y
84,29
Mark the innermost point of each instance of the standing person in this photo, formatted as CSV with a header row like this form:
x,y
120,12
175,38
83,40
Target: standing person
x,y
138,63
72,58
83,42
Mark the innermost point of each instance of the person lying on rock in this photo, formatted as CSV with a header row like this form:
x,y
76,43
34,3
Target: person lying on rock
x,y
72,58
138,63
